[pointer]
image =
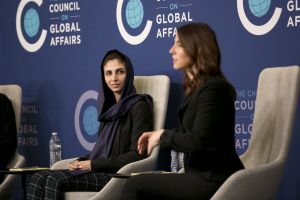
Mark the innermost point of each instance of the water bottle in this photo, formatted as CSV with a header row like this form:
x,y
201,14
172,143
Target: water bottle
x,y
55,148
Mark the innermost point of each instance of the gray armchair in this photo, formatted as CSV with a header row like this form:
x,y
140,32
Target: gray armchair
x,y
158,87
14,93
266,155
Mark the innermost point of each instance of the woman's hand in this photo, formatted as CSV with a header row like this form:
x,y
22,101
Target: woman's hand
x,y
81,165
149,140
73,165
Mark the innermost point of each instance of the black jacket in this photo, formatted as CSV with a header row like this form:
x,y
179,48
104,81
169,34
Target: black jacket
x,y
8,132
206,131
124,150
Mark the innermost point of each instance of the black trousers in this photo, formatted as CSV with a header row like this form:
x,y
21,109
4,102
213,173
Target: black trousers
x,y
53,184
186,186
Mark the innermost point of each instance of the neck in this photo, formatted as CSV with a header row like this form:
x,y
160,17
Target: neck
x,y
117,97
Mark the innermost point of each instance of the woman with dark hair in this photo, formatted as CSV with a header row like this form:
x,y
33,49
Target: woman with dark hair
x,y
124,116
203,144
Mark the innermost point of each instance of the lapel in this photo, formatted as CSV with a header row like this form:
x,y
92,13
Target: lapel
x,y
188,99
182,108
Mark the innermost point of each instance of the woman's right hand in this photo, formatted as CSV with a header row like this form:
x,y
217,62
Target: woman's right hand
x,y
149,140
143,142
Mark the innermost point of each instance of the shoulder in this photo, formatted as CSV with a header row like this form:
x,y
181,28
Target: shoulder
x,y
141,112
4,98
218,83
141,109
141,101
140,106
218,86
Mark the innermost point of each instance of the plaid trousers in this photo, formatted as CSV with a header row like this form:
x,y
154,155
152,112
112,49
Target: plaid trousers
x,y
51,185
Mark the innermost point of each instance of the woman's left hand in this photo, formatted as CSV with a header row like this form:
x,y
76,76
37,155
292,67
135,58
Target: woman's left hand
x,y
84,165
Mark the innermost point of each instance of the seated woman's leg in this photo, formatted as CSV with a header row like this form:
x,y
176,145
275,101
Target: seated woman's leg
x,y
63,181
169,186
36,188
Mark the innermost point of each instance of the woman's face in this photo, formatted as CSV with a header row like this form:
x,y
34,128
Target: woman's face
x,y
180,59
115,74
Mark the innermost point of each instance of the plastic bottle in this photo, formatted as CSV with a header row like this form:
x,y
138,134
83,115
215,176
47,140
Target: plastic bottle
x,y
54,148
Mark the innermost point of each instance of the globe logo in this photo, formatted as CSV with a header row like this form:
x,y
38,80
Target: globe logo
x,y
31,22
134,13
90,120
259,7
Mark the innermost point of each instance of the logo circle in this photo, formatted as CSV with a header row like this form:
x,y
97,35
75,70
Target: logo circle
x,y
88,115
90,120
259,7
134,13
31,22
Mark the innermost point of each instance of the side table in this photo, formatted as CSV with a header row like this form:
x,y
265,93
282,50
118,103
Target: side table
x,y
23,172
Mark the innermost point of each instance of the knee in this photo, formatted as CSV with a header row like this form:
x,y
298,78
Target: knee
x,y
56,181
131,182
130,189
39,178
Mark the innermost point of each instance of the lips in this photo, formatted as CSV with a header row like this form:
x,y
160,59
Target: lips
x,y
115,85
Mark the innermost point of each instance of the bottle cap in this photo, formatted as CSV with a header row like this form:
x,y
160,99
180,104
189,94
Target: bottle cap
x,y
54,133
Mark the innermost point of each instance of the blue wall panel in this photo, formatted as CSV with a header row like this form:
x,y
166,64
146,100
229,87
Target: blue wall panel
x,y
59,72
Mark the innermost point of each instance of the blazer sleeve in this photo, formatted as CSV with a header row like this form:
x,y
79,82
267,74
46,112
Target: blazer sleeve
x,y
8,132
209,111
141,118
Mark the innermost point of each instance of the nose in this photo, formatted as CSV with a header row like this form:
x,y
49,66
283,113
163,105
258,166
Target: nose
x,y
114,76
171,49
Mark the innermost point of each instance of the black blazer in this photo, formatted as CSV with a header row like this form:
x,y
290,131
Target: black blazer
x,y
206,131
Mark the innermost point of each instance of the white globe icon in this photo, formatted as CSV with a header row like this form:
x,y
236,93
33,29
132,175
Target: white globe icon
x,y
134,13
259,7
31,22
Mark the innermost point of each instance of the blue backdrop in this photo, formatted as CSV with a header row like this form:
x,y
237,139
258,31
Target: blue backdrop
x,y
53,49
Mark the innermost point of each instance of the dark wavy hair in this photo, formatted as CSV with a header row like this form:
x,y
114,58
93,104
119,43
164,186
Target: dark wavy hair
x,y
200,43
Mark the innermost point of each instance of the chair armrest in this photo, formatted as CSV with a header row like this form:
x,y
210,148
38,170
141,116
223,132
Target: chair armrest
x,y
62,164
147,164
251,183
7,186
16,161
113,189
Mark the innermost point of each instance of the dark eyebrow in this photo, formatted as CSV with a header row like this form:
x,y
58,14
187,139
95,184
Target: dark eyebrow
x,y
118,69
